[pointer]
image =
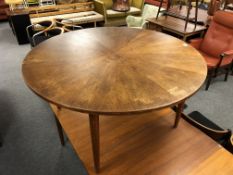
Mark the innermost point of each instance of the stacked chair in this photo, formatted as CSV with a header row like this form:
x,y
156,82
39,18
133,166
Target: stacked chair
x,y
44,30
35,29
46,34
67,25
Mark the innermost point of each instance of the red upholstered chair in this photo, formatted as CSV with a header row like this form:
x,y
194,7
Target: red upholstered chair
x,y
217,45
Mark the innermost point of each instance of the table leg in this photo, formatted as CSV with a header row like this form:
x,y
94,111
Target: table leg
x,y
59,128
178,113
94,129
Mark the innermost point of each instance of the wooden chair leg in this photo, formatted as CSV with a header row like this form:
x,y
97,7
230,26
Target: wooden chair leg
x,y
196,13
160,5
188,13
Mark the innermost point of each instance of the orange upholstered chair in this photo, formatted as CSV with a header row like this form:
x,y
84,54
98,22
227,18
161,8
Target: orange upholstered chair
x,y
217,45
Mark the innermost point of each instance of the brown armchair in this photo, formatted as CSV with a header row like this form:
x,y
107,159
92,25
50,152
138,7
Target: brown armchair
x,y
217,45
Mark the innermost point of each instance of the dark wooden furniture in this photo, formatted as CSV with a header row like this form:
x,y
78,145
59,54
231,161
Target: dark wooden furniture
x,y
3,7
146,144
217,133
18,23
176,26
186,17
97,71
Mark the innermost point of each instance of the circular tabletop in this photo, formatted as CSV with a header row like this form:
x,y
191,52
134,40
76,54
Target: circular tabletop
x,y
114,70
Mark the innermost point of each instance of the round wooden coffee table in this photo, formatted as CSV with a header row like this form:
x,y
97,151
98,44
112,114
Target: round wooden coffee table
x,y
114,71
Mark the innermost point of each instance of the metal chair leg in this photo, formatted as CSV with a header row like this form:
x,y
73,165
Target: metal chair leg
x,y
227,73
209,78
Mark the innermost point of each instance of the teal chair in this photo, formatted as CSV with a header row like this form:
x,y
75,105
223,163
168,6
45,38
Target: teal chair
x,y
149,11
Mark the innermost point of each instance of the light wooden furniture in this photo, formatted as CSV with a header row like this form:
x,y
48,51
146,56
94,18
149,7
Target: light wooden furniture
x,y
50,10
175,25
146,144
114,71
75,18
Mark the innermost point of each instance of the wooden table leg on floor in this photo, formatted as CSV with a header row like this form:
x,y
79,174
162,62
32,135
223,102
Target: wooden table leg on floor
x,y
94,128
59,128
178,113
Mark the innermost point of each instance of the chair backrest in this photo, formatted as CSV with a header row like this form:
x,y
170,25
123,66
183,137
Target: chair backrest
x,y
44,35
136,3
208,127
149,11
38,27
219,37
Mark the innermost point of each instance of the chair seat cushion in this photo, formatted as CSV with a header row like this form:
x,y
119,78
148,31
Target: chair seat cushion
x,y
113,14
212,62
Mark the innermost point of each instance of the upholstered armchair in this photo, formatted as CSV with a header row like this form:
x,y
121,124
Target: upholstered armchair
x,y
217,45
149,11
115,18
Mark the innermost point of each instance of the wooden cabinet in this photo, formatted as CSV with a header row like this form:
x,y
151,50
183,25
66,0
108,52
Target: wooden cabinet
x,y
3,6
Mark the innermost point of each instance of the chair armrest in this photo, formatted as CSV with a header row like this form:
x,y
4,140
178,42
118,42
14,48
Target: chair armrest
x,y
224,55
227,53
133,21
196,42
100,8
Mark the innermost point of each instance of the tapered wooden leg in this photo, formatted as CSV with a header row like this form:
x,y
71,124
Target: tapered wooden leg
x,y
59,128
94,128
196,13
178,113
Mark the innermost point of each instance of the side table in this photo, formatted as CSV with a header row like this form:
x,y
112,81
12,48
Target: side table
x,y
176,26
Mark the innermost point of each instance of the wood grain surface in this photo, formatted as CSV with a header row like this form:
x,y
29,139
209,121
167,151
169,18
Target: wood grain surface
x,y
146,144
114,70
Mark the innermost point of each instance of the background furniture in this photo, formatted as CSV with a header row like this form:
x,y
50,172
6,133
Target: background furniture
x,y
121,5
217,45
92,73
67,25
18,23
187,18
87,17
115,18
157,3
46,34
79,13
175,26
149,11
3,7
34,29
13,4
145,144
